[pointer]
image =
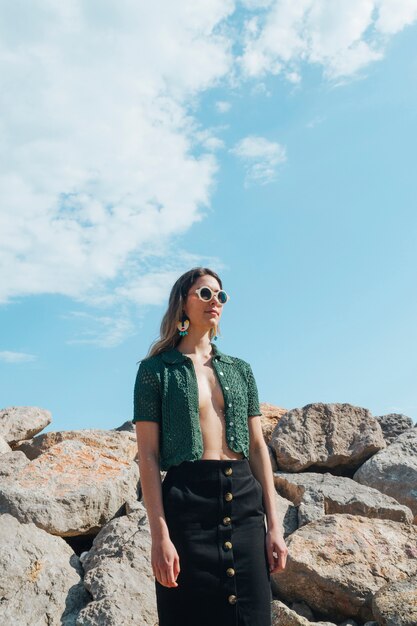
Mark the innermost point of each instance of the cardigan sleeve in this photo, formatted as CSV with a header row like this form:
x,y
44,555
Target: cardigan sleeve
x,y
146,396
253,400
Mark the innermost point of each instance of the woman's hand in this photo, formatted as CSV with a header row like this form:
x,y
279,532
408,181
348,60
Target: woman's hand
x,y
165,562
275,544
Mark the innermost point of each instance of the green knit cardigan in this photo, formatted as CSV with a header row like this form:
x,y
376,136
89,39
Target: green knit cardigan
x,y
166,392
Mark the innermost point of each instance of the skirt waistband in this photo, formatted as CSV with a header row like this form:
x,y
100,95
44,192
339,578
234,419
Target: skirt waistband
x,y
209,468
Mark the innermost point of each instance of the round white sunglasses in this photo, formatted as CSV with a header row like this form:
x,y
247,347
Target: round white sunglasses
x,y
205,294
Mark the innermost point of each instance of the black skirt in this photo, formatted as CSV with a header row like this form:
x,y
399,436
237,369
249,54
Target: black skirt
x,y
216,520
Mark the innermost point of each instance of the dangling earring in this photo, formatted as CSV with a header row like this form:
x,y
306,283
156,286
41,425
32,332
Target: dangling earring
x,y
214,335
182,325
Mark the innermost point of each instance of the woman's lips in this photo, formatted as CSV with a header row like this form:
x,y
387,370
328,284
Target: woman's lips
x,y
212,311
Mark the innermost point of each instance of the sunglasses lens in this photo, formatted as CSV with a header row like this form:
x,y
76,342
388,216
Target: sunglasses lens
x,y
222,296
206,293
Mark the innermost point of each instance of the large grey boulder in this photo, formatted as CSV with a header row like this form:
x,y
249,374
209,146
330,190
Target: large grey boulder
x,y
4,446
287,515
40,577
316,495
393,425
22,422
395,604
337,563
393,471
118,574
71,489
320,435
121,445
284,616
10,463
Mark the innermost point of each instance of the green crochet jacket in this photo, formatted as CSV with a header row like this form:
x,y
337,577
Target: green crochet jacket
x,y
166,392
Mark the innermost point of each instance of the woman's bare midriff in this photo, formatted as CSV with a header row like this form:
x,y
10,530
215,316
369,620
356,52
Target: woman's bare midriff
x,y
213,431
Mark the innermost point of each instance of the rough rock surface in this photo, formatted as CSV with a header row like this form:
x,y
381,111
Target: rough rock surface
x,y
283,616
393,425
4,446
71,489
396,603
274,464
40,580
287,515
10,463
22,422
394,470
323,494
337,563
271,415
122,445
326,435
118,575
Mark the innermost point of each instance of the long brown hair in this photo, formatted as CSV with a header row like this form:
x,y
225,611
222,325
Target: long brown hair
x,y
169,336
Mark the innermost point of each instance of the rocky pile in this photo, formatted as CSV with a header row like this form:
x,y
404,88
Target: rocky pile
x,y
75,541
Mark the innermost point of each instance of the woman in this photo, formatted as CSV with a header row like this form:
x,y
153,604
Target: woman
x,y
197,416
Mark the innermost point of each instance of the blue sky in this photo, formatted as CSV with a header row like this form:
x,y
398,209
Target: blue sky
x,y
273,143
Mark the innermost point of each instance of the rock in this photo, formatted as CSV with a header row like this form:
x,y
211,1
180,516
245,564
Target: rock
x,y
274,464
122,445
316,495
396,603
40,580
118,575
336,564
127,426
394,424
22,422
271,415
320,435
10,463
71,489
287,515
4,446
393,471
283,616
301,608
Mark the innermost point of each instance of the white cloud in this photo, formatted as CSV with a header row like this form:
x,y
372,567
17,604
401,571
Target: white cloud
x,y
261,158
223,106
104,331
343,37
97,166
8,356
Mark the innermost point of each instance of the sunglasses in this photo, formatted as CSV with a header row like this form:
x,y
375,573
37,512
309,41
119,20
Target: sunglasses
x,y
205,294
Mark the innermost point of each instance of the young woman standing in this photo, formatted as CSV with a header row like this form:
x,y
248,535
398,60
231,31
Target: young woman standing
x,y
197,417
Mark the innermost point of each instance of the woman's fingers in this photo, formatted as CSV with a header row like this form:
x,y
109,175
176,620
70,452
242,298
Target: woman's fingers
x,y
177,568
166,574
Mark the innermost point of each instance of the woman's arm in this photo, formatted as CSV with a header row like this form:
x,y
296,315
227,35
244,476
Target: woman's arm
x,y
165,560
260,464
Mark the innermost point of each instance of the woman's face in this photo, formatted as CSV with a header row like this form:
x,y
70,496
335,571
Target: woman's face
x,y
203,314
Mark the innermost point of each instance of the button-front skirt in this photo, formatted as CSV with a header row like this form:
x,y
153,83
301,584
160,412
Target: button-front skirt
x,y
215,517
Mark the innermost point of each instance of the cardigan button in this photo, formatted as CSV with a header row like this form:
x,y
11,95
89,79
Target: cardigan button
x,y
227,521
228,471
230,571
227,388
228,496
232,599
221,373
227,545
